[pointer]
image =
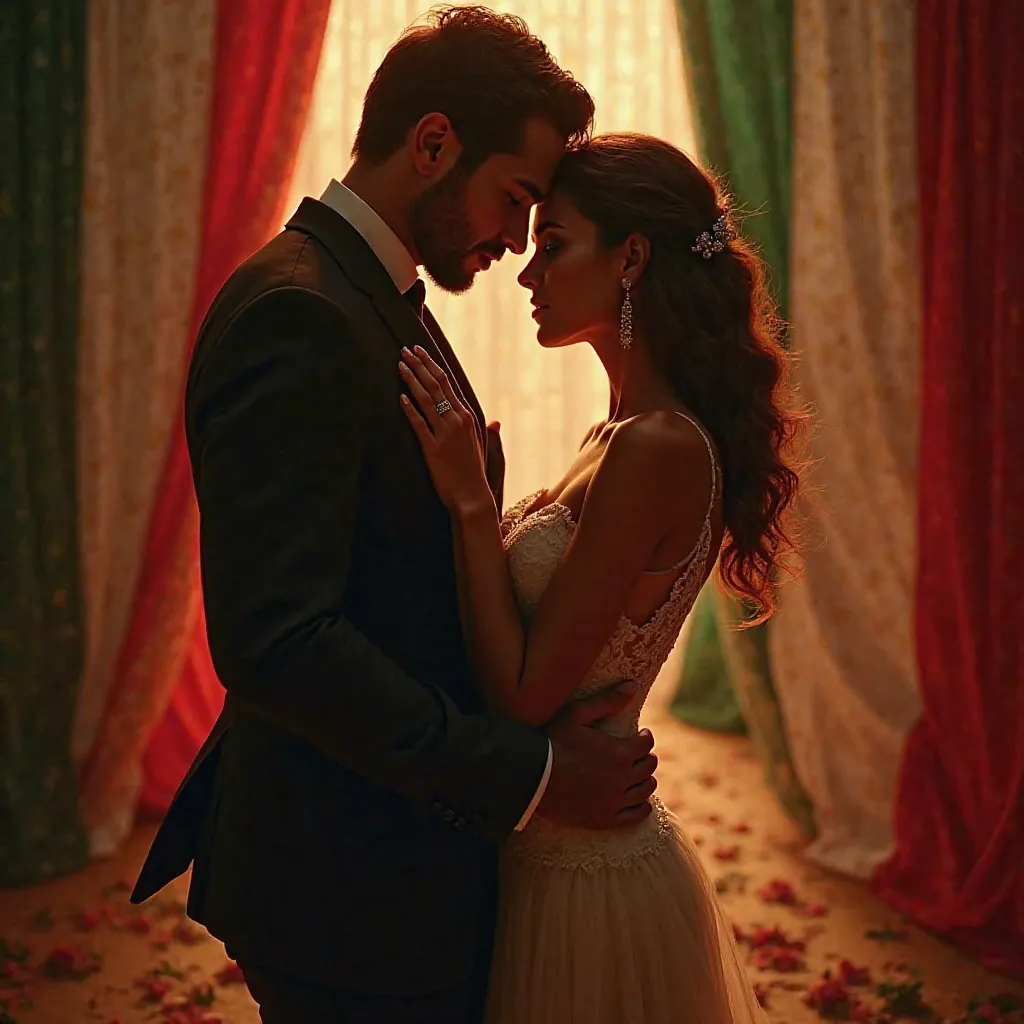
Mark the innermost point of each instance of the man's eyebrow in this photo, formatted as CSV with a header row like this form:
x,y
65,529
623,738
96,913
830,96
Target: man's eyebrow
x,y
534,190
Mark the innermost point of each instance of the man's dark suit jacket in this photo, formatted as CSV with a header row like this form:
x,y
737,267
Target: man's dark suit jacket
x,y
343,817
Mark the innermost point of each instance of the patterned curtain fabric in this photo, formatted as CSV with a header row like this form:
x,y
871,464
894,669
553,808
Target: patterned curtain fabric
x,y
738,56
148,89
958,866
841,646
265,58
42,61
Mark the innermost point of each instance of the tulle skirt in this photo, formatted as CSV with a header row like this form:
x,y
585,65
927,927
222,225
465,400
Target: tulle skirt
x,y
618,927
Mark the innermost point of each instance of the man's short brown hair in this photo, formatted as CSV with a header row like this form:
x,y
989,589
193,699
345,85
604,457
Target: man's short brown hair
x,y
485,71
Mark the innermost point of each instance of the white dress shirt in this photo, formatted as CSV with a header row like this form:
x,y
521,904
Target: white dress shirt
x,y
401,267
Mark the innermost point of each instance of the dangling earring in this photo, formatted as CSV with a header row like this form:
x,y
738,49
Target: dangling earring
x,y
626,318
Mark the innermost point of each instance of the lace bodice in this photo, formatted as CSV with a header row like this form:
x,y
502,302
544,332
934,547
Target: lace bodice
x,y
634,653
535,542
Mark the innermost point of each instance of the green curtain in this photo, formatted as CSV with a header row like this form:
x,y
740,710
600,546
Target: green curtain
x,y
704,697
739,60
42,70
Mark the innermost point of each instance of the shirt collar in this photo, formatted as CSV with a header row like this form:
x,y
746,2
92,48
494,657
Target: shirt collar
x,y
386,245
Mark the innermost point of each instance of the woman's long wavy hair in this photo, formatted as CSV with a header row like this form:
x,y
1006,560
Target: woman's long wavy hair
x,y
712,330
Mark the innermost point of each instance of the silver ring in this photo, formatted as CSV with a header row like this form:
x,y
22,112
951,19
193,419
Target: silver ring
x,y
442,407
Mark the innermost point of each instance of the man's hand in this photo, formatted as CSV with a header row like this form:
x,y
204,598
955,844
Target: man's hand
x,y
598,781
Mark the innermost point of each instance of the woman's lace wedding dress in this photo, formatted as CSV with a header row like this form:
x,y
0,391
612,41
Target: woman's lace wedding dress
x,y
624,926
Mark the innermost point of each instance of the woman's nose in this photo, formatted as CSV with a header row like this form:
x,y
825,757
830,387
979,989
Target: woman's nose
x,y
528,277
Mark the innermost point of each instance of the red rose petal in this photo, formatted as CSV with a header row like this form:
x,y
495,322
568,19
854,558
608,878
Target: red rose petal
x,y
70,962
88,920
154,987
778,958
850,974
774,936
230,974
861,1012
778,891
813,910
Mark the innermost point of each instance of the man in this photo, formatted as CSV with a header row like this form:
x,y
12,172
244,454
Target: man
x,y
343,817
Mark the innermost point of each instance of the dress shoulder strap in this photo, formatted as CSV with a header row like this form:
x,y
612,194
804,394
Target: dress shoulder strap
x,y
711,457
705,532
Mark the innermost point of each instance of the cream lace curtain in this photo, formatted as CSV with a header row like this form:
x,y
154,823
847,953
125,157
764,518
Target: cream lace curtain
x,y
842,646
627,53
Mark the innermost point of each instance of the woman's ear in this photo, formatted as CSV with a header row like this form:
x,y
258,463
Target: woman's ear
x,y
636,253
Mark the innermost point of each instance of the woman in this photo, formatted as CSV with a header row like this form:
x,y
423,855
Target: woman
x,y
587,584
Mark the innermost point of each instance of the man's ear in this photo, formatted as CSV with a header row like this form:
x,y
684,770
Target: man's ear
x,y
435,146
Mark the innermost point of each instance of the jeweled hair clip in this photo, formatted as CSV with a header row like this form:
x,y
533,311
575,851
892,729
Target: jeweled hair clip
x,y
710,242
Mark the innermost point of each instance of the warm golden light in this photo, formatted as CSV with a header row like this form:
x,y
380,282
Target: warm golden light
x,y
628,55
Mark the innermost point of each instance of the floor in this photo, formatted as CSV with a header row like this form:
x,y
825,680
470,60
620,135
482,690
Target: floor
x,y
74,951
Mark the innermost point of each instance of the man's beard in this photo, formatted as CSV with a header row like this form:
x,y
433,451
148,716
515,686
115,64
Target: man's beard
x,y
441,231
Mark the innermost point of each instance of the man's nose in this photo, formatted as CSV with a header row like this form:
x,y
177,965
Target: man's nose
x,y
517,233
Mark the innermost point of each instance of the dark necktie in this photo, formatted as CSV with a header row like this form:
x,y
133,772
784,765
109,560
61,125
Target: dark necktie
x,y
443,354
416,296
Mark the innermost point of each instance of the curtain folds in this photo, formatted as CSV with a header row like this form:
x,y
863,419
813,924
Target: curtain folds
x,y
959,820
149,82
42,57
841,645
739,61
265,59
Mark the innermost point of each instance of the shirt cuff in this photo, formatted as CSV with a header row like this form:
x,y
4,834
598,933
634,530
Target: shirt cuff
x,y
539,795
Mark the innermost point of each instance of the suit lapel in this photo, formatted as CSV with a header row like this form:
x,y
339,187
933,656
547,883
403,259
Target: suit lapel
x,y
359,262
494,458
456,374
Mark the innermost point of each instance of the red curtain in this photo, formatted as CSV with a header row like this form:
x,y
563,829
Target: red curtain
x,y
165,694
958,866
196,701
